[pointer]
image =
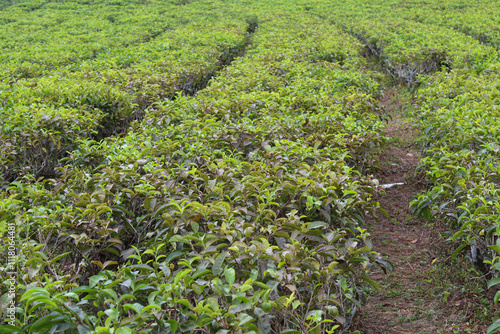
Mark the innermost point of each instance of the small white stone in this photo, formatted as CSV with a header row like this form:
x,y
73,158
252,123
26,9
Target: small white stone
x,y
390,185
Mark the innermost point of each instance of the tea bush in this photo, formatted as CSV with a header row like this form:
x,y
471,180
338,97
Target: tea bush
x,y
165,177
448,51
459,115
409,48
238,209
108,72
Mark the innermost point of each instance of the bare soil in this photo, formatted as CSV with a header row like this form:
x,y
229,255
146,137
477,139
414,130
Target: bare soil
x,y
427,292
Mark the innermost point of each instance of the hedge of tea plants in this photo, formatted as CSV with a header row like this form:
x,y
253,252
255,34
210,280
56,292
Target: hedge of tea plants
x,y
448,51
459,116
237,209
86,70
408,48
458,111
204,166
478,20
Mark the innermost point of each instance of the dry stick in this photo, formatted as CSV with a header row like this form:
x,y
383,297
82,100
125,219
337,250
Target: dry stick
x,y
419,274
479,277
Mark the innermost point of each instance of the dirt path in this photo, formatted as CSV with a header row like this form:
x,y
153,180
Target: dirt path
x,y
428,292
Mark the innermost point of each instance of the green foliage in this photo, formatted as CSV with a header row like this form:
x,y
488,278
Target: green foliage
x,y
106,71
238,209
449,50
408,48
165,177
459,117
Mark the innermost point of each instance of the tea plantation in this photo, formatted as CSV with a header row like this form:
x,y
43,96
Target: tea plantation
x,y
206,166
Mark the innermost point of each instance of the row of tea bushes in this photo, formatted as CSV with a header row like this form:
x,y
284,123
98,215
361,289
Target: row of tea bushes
x,y
459,116
406,48
238,210
44,117
457,109
451,50
479,20
60,36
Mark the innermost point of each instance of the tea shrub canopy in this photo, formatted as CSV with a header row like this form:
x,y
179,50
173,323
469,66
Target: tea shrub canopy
x,y
181,166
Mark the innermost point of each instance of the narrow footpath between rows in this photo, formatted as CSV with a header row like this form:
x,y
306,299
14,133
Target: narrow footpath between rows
x,y
428,292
